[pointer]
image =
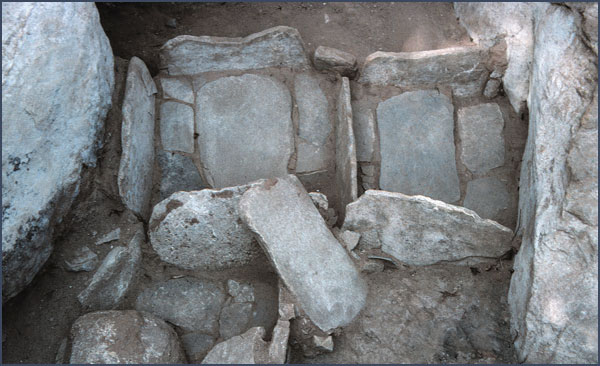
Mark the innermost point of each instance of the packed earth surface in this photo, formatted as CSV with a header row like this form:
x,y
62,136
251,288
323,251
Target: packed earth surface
x,y
300,183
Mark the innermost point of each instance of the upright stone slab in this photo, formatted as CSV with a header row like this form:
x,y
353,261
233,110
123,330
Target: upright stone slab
x,y
345,150
244,134
311,262
480,130
417,230
416,132
177,127
365,132
137,139
314,125
57,81
460,67
273,47
179,89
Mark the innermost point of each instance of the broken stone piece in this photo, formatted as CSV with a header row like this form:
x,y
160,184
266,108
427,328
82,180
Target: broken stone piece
x,y
279,342
321,202
83,259
248,348
241,292
492,88
372,266
314,266
111,337
350,239
177,89
324,344
196,345
111,236
331,59
192,304
234,319
418,230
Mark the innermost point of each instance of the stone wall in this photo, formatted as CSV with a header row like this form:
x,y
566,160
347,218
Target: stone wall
x,y
554,290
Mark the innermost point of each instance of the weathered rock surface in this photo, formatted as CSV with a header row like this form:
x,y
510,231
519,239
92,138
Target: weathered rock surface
x,y
124,337
492,88
244,135
314,125
191,304
137,139
460,67
57,81
417,230
114,277
345,149
202,230
554,290
273,47
279,342
488,197
196,345
241,292
364,132
248,348
178,173
83,259
416,130
308,258
177,89
343,63
234,319
480,130
177,127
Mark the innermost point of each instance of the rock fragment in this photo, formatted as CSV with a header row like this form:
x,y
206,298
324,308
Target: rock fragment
x,y
111,236
241,292
178,89
492,88
196,345
331,59
324,344
178,173
248,348
313,265
279,342
83,259
350,239
110,337
234,319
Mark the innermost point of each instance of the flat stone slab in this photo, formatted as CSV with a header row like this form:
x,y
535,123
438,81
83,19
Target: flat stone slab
x,y
192,304
244,135
488,197
274,47
416,132
345,156
460,67
130,337
177,127
202,230
137,139
178,173
480,132
417,230
365,132
178,89
308,258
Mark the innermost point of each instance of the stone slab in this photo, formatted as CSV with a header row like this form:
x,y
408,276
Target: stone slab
x,y
177,173
416,131
488,197
460,67
177,127
417,230
137,139
179,89
480,130
274,47
365,132
345,158
308,258
244,135
202,230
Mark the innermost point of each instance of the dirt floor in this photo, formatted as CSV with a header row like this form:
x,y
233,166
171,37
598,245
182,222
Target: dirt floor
x,y
39,319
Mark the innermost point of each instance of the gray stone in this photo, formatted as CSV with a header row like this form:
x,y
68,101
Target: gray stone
x,y
61,352
57,81
202,230
178,173
189,303
196,345
234,319
83,259
327,58
241,292
345,151
417,230
274,47
177,127
321,203
553,295
108,237
492,88
124,337
179,89
350,239
364,132
460,67
480,132
115,276
244,135
488,197
372,266
368,170
248,348
416,130
137,139
279,342
308,258
314,125
322,343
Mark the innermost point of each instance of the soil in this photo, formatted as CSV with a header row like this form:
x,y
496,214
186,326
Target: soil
x,y
37,320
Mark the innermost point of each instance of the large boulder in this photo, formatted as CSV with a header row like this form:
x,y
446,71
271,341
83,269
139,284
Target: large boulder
x,y
57,80
554,290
